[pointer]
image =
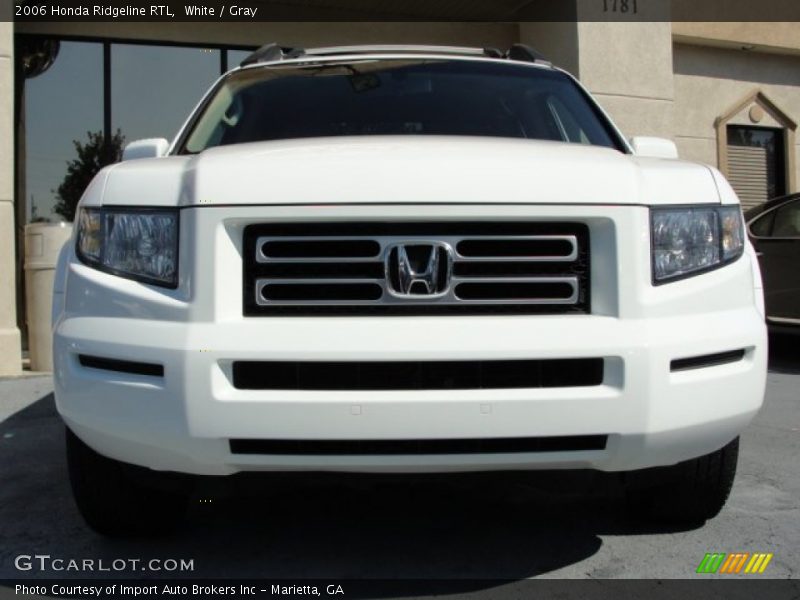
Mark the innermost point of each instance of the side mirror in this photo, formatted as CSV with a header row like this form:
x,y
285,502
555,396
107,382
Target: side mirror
x,y
149,148
654,147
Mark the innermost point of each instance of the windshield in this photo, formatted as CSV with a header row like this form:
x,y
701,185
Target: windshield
x,y
398,97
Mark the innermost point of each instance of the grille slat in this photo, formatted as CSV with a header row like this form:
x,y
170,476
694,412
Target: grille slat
x,y
317,249
321,270
334,268
518,248
532,290
316,292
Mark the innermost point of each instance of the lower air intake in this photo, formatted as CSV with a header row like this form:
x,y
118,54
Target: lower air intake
x,y
576,443
439,375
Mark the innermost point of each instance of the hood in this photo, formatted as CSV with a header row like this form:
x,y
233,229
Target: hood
x,y
407,169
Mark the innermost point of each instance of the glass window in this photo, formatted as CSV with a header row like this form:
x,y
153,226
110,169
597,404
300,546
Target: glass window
x,y
61,106
235,57
787,220
569,128
155,88
398,97
762,227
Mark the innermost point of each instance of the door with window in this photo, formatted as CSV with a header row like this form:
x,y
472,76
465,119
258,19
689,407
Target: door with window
x,y
756,163
776,238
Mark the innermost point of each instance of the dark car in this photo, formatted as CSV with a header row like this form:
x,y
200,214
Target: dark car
x,y
774,229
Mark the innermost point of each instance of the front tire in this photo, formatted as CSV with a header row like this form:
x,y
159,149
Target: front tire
x,y
689,492
115,503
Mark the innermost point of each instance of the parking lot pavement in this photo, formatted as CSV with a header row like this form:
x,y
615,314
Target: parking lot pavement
x,y
554,526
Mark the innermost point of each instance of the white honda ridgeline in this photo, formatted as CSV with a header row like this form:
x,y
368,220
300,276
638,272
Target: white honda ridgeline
x,y
404,259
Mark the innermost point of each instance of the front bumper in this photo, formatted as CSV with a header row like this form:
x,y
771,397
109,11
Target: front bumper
x,y
184,420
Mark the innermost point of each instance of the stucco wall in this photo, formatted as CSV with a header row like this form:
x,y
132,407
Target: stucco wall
x,y
628,68
780,37
709,81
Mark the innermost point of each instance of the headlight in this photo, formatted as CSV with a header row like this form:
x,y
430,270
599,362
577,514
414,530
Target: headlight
x,y
138,244
691,240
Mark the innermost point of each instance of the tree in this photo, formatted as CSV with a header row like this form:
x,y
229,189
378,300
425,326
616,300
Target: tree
x,y
92,156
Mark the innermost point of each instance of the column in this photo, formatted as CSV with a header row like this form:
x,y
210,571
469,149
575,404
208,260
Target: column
x,y
10,350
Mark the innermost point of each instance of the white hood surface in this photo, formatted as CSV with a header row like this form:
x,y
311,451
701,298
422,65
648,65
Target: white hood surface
x,y
406,169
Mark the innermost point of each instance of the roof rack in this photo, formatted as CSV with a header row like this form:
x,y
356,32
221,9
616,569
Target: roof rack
x,y
526,53
273,52
398,49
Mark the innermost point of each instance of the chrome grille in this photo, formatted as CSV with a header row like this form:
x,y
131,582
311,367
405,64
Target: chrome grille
x,y
416,268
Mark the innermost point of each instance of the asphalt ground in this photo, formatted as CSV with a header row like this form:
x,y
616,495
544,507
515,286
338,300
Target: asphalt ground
x,y
552,525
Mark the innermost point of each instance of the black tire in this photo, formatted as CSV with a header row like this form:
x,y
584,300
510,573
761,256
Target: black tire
x,y
689,492
115,499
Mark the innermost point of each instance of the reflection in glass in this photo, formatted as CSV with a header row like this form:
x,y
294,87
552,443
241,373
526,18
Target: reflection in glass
x,y
61,105
235,57
154,88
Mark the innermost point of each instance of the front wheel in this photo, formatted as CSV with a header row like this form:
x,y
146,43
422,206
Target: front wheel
x,y
689,492
116,503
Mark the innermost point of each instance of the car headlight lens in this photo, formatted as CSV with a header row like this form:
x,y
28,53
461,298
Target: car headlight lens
x,y
138,244
691,240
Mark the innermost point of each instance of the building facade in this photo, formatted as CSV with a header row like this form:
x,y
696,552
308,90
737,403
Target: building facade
x,y
728,94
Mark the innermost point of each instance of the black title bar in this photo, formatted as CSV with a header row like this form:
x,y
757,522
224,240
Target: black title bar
x,y
407,10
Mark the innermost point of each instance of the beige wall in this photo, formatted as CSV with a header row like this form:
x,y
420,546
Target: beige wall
x,y
709,81
10,359
776,37
628,68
